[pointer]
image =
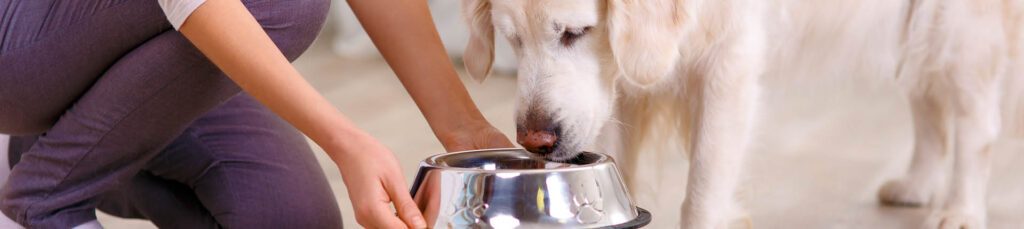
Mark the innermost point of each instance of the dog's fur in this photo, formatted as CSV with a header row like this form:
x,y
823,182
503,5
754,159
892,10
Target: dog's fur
x,y
693,66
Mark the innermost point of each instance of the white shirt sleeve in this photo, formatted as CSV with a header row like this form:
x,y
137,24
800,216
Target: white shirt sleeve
x,y
179,10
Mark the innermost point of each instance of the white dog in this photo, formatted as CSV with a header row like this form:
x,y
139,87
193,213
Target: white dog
x,y
615,72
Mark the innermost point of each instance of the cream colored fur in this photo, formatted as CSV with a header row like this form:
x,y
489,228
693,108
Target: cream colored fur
x,y
647,70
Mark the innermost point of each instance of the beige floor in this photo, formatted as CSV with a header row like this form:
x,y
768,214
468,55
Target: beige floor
x,y
821,151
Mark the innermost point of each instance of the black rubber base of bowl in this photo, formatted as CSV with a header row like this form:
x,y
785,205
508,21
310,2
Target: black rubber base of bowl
x,y
643,217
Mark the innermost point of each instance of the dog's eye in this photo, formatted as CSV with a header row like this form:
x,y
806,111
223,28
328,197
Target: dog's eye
x,y
571,35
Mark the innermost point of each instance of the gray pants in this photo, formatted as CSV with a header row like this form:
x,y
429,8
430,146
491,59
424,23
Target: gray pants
x,y
134,120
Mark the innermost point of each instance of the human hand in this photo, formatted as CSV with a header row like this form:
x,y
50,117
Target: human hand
x,y
473,136
374,181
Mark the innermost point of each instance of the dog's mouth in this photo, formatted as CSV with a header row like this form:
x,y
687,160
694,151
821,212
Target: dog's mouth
x,y
564,153
580,158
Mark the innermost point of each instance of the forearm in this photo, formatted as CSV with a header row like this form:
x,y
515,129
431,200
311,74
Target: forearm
x,y
405,34
226,33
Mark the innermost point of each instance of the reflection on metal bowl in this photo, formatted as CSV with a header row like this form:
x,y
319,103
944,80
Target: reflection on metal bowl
x,y
512,188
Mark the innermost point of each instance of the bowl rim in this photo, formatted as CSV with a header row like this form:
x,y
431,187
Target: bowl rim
x,y
430,162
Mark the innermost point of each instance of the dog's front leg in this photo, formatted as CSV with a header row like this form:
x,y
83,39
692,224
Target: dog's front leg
x,y
723,112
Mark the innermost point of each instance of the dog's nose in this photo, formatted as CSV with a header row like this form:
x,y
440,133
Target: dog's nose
x,y
537,132
538,141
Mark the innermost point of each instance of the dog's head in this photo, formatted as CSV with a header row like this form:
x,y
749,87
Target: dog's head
x,y
571,55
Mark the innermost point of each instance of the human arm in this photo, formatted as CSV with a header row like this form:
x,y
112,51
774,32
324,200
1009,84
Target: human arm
x,y
226,33
406,36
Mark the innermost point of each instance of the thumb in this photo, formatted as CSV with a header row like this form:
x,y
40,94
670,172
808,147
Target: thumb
x,y
407,208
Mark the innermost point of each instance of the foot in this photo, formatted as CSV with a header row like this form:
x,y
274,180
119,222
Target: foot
x,y
957,219
715,220
905,193
742,222
739,223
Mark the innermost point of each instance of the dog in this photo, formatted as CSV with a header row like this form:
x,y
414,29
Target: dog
x,y
613,73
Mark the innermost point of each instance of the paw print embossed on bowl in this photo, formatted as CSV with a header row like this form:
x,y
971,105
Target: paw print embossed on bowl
x,y
589,209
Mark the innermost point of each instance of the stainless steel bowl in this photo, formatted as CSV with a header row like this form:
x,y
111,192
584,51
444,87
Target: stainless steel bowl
x,y
512,188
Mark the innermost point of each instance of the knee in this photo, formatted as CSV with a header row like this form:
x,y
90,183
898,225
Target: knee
x,y
293,25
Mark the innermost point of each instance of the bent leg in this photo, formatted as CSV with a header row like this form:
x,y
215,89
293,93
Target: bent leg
x,y
264,174
137,107
132,112
250,169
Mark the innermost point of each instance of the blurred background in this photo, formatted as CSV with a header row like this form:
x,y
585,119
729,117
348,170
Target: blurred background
x,y
822,149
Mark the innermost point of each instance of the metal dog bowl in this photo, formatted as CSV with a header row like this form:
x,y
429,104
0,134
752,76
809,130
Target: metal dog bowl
x,y
512,188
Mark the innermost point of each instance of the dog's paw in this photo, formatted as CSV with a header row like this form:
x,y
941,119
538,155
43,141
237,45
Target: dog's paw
x,y
737,221
740,223
901,192
956,219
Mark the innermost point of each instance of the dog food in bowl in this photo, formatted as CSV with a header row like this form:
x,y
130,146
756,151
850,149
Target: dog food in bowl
x,y
501,160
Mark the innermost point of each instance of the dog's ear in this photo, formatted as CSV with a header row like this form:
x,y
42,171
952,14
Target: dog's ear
x,y
479,54
644,37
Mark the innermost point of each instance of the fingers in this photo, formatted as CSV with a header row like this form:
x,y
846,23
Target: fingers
x,y
373,207
407,209
379,215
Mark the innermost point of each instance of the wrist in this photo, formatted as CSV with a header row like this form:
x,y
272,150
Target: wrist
x,y
456,133
343,141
